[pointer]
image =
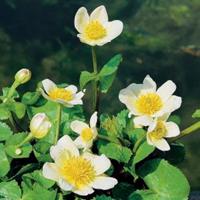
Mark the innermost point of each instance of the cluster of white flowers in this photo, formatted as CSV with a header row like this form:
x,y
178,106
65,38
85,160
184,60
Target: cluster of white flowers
x,y
75,167
151,107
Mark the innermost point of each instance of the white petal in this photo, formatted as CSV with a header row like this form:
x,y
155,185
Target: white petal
x,y
99,14
79,95
143,121
166,90
114,29
149,84
93,120
64,146
64,185
104,183
79,142
81,19
84,191
172,104
74,102
84,40
50,171
48,85
72,88
100,163
127,97
164,117
152,126
77,126
172,129
161,144
149,139
136,89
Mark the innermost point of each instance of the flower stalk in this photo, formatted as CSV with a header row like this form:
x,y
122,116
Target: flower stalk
x,y
58,121
95,83
187,131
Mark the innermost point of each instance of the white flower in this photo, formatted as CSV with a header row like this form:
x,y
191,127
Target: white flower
x,y
79,173
87,133
39,125
146,102
96,29
159,130
67,96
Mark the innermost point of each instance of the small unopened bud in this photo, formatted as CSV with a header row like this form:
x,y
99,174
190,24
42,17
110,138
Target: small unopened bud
x,y
18,151
40,125
23,76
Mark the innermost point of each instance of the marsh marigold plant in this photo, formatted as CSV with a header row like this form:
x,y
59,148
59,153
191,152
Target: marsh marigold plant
x,y
53,148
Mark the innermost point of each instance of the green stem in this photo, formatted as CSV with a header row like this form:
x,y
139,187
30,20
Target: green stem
x,y
58,120
27,139
9,95
95,86
187,131
11,90
138,143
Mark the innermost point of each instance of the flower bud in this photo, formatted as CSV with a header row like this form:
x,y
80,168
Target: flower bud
x,y
40,125
23,75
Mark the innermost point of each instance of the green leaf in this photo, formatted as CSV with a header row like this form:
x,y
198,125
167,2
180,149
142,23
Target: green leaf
x,y
116,152
102,197
196,114
18,108
41,151
39,178
122,190
37,192
4,163
5,131
85,78
13,141
144,195
136,134
108,72
10,191
4,112
142,152
164,180
30,98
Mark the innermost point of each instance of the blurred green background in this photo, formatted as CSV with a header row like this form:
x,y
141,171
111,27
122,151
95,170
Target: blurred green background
x,y
160,38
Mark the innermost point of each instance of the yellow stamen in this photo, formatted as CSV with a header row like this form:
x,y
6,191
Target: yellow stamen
x,y
95,30
159,132
149,103
78,171
61,93
87,134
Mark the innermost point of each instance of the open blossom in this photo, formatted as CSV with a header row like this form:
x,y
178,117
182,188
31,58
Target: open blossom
x,y
161,129
67,96
146,102
79,173
96,29
87,133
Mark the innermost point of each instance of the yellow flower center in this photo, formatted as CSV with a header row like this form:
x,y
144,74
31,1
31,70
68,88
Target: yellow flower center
x,y
149,103
78,171
94,30
159,132
87,134
61,93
